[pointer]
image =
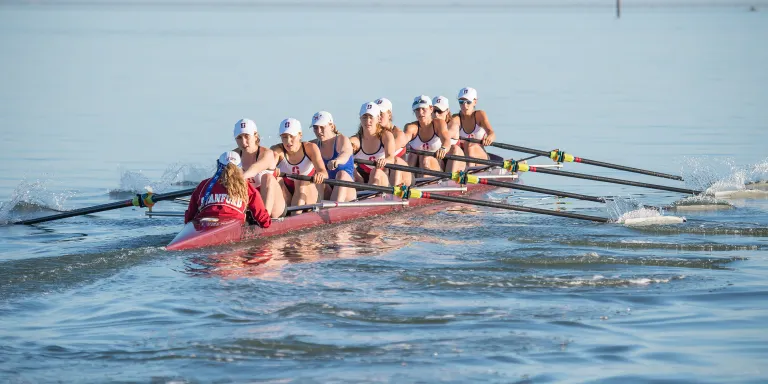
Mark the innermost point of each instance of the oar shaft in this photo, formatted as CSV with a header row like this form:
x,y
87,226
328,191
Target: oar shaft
x,y
612,180
520,208
578,159
494,183
459,200
105,207
459,158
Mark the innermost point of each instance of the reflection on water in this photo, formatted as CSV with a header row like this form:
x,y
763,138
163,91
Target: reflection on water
x,y
266,259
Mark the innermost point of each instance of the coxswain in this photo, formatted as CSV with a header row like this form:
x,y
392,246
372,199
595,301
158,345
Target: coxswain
x,y
227,195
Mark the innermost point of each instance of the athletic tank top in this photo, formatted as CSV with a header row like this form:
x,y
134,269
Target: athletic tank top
x,y
430,145
361,154
477,132
256,180
348,167
304,167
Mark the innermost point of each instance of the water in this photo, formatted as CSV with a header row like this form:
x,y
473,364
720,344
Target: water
x,y
99,101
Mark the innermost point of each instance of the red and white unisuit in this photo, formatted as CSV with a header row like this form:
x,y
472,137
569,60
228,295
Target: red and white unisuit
x,y
221,206
304,167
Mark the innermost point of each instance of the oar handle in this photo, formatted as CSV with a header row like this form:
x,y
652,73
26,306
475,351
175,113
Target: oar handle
x,y
106,207
576,159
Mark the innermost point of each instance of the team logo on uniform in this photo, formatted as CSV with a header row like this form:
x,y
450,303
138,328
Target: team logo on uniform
x,y
242,125
287,124
369,106
295,170
466,91
379,101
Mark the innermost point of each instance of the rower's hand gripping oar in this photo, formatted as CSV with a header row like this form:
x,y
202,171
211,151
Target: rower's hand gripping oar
x,y
516,166
405,192
145,200
562,157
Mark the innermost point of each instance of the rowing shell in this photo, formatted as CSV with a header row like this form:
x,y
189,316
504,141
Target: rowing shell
x,y
206,233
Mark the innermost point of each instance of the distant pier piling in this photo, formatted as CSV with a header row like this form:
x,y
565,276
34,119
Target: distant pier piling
x,y
618,9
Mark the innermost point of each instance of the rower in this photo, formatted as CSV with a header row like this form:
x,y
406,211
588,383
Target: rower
x,y
395,177
442,111
227,195
293,156
259,166
336,151
473,124
426,134
373,142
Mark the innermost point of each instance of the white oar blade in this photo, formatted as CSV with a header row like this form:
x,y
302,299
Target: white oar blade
x,y
742,194
658,220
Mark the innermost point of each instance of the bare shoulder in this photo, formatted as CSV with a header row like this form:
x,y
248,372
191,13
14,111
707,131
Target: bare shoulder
x,y
481,114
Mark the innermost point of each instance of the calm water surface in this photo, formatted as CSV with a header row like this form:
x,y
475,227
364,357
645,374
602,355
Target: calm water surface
x,y
98,102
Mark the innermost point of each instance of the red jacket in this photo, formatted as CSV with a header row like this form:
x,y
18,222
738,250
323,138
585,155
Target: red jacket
x,y
220,206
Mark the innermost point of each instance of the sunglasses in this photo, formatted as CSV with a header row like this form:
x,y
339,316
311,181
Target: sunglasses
x,y
437,111
317,127
465,101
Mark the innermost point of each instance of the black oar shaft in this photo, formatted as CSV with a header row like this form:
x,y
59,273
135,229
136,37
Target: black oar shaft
x,y
612,180
105,207
520,208
565,173
578,159
459,200
494,183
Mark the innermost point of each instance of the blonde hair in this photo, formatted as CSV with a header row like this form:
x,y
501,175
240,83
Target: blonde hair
x,y
448,116
232,179
379,130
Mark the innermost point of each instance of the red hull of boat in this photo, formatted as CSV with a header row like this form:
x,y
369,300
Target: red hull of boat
x,y
197,234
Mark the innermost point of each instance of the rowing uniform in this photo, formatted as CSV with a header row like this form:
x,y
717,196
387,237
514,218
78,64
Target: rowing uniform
x,y
219,205
431,145
348,167
477,133
256,180
364,169
304,167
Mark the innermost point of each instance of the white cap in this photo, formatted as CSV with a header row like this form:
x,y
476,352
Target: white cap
x,y
290,126
371,109
322,118
441,103
384,104
467,93
245,126
422,101
229,158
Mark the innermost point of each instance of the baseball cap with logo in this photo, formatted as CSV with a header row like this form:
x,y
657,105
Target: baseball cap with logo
x,y
440,103
467,93
384,104
422,101
229,158
290,126
322,118
370,109
245,126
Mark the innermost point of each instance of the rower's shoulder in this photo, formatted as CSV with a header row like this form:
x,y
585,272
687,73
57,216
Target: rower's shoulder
x,y
276,148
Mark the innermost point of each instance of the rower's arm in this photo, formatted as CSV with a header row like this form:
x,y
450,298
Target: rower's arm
x,y
192,207
441,129
389,146
317,159
355,142
267,161
482,119
400,139
256,206
409,132
345,152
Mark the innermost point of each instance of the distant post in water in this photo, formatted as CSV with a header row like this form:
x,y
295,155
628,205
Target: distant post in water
x,y
618,9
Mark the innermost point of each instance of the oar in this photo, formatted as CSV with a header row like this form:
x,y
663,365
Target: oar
x,y
140,200
516,166
560,157
407,193
475,180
